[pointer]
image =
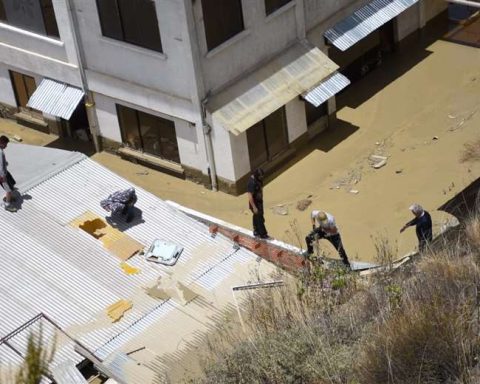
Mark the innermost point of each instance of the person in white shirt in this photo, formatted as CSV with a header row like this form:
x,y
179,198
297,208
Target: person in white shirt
x,y
324,227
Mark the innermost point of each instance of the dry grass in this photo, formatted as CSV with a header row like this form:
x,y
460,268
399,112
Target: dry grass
x,y
471,152
418,325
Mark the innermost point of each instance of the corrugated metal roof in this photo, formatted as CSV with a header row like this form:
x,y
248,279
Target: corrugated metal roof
x,y
67,373
364,21
54,98
264,91
50,267
326,89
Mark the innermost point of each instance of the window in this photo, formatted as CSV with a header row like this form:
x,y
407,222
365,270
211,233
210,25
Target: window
x,y
131,21
272,5
147,133
49,20
23,86
222,19
32,15
3,15
267,139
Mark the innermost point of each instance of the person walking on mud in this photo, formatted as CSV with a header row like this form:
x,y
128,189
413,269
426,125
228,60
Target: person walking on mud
x,y
6,179
324,227
255,203
423,226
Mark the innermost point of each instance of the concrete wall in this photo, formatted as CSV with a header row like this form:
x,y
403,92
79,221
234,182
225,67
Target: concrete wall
x,y
408,21
329,11
296,119
231,152
35,53
433,7
168,72
263,38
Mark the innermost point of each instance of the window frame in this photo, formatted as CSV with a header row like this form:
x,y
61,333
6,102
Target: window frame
x,y
209,22
50,30
138,130
22,78
269,11
122,35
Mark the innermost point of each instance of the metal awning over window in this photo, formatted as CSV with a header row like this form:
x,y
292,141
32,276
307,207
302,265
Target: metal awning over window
x,y
364,21
256,96
326,89
54,98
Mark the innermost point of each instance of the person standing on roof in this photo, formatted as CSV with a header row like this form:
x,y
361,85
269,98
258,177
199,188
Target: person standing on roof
x,y
423,226
324,227
6,180
255,203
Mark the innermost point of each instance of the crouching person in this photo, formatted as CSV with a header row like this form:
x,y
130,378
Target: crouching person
x,y
120,204
324,227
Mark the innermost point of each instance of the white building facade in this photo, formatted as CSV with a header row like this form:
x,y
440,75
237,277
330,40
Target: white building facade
x,y
205,89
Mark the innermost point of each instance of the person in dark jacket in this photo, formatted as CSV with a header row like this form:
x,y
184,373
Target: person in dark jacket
x,y
423,226
255,203
6,180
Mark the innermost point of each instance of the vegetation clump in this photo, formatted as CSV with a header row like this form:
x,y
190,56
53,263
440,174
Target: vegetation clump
x,y
416,324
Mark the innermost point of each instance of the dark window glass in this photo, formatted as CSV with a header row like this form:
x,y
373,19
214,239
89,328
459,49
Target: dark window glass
x,y
151,134
36,16
314,113
49,20
129,126
23,86
132,21
276,132
267,139
3,15
272,5
110,19
222,19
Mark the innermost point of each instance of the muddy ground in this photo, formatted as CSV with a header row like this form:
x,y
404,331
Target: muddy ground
x,y
418,110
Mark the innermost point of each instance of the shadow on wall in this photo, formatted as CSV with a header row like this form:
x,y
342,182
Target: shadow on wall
x,y
411,51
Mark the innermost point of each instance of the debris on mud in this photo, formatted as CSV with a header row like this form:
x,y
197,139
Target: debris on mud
x,y
352,178
377,161
303,204
280,209
462,121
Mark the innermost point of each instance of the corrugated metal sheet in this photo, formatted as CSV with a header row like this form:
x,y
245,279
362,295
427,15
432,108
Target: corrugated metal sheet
x,y
54,98
67,373
364,21
48,266
259,94
326,89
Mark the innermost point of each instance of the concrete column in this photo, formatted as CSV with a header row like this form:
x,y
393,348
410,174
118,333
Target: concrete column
x,y
331,105
300,19
422,19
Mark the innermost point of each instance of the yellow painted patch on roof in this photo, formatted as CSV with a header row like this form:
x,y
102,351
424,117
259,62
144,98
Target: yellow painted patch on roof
x,y
117,242
116,311
128,269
